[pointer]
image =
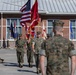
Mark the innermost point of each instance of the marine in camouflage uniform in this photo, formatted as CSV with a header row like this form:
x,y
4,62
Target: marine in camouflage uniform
x,y
29,51
58,50
36,48
20,50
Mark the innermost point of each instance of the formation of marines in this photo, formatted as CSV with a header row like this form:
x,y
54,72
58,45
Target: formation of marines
x,y
33,47
56,49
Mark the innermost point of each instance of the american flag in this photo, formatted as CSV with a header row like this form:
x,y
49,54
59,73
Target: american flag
x,y
26,13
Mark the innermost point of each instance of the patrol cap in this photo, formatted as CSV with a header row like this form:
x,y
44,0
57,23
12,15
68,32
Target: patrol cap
x,y
20,35
58,23
38,32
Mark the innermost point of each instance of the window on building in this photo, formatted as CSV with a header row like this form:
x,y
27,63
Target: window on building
x,y
73,29
50,27
18,27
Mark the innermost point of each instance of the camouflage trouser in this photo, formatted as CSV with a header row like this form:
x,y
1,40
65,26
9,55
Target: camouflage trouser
x,y
37,60
20,57
37,63
30,56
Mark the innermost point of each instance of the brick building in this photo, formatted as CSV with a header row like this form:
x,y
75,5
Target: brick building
x,y
49,10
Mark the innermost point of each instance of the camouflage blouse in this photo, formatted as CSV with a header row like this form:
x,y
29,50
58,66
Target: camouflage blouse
x,y
20,45
58,50
37,43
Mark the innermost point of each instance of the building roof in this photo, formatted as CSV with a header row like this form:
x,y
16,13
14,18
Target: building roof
x,y
44,6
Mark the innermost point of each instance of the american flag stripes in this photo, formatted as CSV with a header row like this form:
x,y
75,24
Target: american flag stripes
x,y
23,8
26,13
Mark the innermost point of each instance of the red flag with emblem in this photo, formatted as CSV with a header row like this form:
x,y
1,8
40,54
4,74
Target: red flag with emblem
x,y
34,15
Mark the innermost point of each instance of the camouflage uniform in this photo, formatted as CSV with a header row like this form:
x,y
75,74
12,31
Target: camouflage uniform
x,y
20,51
58,50
29,53
57,53
38,42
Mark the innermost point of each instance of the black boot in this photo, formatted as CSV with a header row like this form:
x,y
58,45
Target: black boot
x,y
19,65
1,60
38,70
29,64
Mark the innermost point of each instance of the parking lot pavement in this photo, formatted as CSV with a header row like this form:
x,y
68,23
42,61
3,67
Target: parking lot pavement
x,y
10,66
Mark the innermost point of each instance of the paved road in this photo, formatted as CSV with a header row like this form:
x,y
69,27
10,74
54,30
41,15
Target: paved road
x,y
10,66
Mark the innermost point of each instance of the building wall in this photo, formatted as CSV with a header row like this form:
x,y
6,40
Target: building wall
x,y
66,28
64,18
3,32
